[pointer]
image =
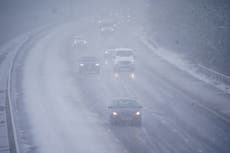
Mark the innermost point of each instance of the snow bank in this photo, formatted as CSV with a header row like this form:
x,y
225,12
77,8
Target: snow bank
x,y
180,62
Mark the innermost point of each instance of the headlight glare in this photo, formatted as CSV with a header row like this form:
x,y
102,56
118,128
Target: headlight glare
x,y
132,75
138,113
116,75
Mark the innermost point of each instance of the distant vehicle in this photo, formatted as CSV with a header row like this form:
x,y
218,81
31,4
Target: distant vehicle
x,y
89,64
125,111
124,61
108,55
107,26
79,42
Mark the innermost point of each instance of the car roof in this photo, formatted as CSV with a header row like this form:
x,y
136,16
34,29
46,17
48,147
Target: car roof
x,y
123,49
125,103
77,36
89,58
106,21
110,50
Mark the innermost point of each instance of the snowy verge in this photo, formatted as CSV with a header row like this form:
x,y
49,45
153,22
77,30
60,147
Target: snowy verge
x,y
12,49
216,79
8,52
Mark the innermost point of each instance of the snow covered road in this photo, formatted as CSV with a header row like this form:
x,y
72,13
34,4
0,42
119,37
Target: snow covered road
x,y
60,121
67,113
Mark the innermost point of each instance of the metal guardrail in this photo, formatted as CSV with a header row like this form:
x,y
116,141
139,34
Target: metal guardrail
x,y
10,108
12,134
209,73
149,42
11,124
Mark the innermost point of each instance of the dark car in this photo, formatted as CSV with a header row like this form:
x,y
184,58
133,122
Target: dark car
x,y
125,111
79,42
89,64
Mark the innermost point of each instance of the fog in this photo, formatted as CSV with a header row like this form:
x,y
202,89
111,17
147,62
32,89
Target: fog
x,y
198,29
106,76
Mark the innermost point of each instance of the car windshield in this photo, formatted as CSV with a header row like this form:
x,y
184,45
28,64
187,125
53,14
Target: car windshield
x,y
107,24
125,103
124,53
89,59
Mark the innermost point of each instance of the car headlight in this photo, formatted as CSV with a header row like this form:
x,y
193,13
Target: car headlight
x,y
138,113
97,64
132,75
114,113
116,75
81,64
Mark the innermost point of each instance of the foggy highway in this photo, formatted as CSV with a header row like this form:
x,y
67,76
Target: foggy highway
x,y
68,112
180,76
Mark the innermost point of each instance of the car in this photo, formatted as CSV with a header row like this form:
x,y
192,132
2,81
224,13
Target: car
x,y
107,29
89,64
125,111
107,26
79,42
124,61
